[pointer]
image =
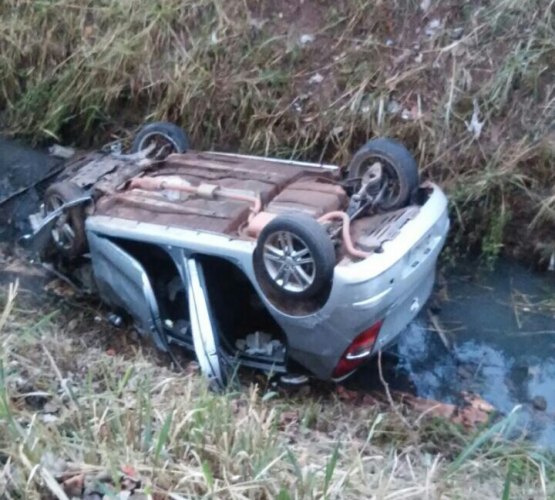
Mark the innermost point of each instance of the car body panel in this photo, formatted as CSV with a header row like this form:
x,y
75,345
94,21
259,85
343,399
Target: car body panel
x,y
203,327
124,284
247,176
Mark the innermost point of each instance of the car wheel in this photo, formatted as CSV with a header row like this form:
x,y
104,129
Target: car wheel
x,y
167,138
399,170
295,256
68,233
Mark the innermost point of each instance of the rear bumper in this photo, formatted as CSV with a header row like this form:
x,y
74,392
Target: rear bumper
x,y
392,286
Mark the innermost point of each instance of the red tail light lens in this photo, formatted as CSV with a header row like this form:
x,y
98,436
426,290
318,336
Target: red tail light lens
x,y
358,351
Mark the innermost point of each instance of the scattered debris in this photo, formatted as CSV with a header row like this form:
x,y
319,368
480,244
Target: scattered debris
x,y
316,78
297,103
439,330
425,5
475,126
473,412
59,288
257,24
393,107
48,418
72,481
337,130
61,151
456,33
115,320
432,27
306,39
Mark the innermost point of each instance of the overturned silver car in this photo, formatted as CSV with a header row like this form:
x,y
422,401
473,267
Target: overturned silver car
x,y
285,266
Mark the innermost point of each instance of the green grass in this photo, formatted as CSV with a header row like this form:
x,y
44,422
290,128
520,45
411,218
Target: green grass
x,y
66,409
236,76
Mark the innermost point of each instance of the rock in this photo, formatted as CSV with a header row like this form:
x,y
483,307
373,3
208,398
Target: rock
x,y
539,403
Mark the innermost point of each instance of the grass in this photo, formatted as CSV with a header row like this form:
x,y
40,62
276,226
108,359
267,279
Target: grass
x,y
69,413
237,75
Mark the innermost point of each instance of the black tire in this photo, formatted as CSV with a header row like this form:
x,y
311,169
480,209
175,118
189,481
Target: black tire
x,y
56,195
171,136
310,241
399,169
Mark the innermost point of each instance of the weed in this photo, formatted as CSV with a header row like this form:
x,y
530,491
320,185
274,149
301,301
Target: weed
x,y
185,441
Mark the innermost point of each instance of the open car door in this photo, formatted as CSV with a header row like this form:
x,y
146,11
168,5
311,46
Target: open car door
x,y
124,283
204,328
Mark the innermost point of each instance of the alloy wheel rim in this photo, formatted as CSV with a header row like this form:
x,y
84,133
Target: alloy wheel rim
x,y
289,261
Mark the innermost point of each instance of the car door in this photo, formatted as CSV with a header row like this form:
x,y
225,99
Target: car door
x,y
212,360
123,283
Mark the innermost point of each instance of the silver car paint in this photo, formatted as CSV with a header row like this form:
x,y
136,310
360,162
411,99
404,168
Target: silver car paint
x,y
123,283
391,286
205,335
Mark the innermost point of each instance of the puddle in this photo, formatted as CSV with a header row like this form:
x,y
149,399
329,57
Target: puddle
x,y
502,329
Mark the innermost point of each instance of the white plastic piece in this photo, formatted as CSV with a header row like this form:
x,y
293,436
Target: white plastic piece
x,y
61,151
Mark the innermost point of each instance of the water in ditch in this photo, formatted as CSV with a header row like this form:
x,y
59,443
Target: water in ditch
x,y
501,329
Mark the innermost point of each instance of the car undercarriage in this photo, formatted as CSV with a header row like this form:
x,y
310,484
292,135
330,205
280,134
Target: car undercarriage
x,y
273,264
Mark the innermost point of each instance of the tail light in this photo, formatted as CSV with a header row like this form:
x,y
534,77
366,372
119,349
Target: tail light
x,y
358,351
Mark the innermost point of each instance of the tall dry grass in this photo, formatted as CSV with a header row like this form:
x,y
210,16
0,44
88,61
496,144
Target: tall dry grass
x,y
243,74
72,418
